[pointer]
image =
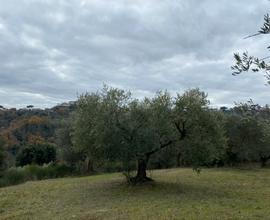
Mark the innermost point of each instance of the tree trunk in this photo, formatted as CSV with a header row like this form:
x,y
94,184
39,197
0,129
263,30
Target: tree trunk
x,y
141,171
178,160
89,167
141,176
264,161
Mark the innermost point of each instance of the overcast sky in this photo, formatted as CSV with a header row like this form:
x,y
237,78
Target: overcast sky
x,y
53,50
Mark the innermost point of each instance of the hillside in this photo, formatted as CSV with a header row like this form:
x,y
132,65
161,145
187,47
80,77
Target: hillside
x,y
30,125
176,194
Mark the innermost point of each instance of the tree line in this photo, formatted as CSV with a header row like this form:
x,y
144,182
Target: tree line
x,y
109,130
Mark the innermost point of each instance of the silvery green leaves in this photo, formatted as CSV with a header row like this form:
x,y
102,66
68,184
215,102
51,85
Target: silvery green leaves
x,y
245,62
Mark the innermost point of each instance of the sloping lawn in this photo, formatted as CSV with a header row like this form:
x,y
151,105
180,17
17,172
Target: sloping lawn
x,y
176,194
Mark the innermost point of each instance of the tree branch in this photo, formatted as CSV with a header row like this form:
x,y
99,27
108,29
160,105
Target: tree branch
x,y
252,35
148,154
182,130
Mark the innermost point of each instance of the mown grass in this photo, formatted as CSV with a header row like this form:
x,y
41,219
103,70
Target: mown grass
x,y
176,194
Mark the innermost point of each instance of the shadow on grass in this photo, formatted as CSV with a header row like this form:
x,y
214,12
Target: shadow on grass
x,y
166,190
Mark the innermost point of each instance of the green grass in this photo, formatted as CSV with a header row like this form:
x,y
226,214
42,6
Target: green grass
x,y
176,194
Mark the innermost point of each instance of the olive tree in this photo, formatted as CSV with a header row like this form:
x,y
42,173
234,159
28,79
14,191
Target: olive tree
x,y
200,130
66,151
97,127
111,125
263,152
248,128
245,62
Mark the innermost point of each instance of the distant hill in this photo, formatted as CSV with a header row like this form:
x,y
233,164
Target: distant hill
x,y
32,125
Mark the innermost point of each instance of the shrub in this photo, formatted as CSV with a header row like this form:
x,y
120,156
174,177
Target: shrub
x,y
62,170
36,154
12,176
34,172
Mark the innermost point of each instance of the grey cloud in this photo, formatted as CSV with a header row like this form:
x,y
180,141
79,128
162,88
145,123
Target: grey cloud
x,y
52,50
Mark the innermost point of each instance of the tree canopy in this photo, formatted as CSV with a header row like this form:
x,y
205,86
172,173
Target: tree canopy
x,y
111,125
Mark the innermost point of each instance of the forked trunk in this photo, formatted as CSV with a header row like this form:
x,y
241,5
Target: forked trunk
x,y
141,176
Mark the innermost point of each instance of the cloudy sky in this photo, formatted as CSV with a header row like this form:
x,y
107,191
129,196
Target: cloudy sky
x,y
53,50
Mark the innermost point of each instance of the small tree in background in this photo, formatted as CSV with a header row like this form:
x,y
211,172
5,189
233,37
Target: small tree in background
x,y
36,154
86,127
264,151
248,129
2,156
66,151
30,107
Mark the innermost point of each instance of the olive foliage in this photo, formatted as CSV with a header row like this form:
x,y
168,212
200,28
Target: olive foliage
x,y
248,127
110,125
244,62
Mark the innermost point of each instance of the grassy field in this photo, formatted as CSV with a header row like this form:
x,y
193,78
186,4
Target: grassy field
x,y
176,194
